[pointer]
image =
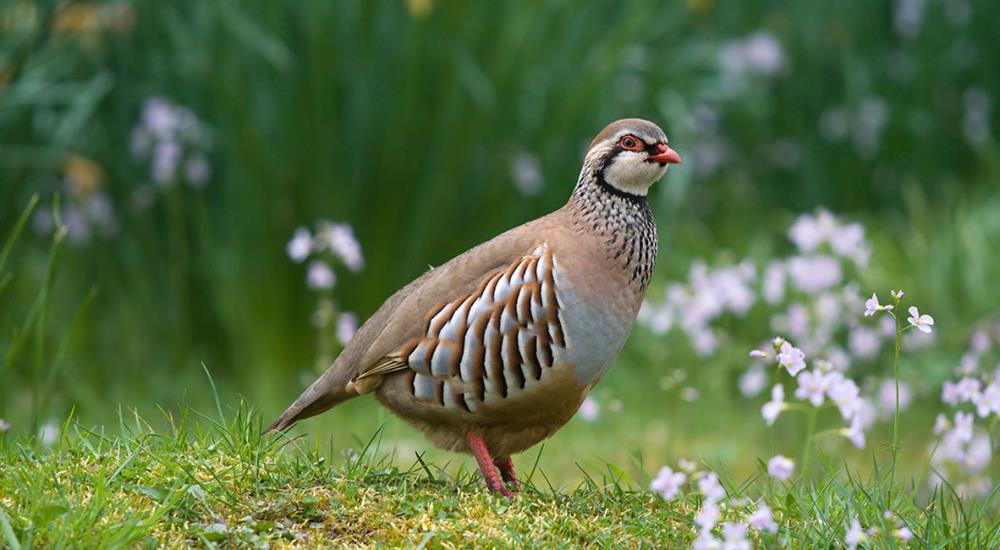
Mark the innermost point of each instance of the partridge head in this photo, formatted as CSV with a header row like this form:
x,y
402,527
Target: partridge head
x,y
496,349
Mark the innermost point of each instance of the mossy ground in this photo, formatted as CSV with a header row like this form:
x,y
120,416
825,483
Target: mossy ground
x,y
209,483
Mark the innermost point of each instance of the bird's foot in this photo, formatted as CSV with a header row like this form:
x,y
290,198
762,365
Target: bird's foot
x,y
506,467
486,466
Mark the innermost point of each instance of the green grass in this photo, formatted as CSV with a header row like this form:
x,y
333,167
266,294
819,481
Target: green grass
x,y
214,482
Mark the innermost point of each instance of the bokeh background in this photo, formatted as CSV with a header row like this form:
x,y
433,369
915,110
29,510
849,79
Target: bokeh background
x,y
179,145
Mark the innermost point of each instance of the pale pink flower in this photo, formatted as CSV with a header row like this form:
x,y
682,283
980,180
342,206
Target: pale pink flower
x,y
842,391
49,433
197,171
707,516
855,433
773,408
339,239
963,426
903,533
589,409
813,274
298,248
797,320
709,486
886,397
806,233
686,465
752,381
941,424
872,306
762,519
706,541
922,322
526,171
847,239
347,325
812,386
792,358
773,286
735,536
965,390
668,482
989,400
690,394
320,276
864,342
780,467
758,354
855,535
704,341
760,53
979,342
979,454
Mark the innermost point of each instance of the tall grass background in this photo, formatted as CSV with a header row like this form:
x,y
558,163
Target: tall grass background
x,y
406,119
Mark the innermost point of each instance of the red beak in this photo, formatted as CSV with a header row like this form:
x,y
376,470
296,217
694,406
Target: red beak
x,y
664,155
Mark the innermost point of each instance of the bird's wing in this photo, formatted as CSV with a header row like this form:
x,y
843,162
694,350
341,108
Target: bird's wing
x,y
487,343
402,317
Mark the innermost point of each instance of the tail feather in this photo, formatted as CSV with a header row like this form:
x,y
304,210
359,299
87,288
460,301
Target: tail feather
x,y
326,392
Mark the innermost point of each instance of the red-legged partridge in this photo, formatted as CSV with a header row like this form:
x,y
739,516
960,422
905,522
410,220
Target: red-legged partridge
x,y
495,350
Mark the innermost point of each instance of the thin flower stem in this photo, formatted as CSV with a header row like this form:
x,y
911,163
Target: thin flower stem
x,y
827,433
895,416
809,436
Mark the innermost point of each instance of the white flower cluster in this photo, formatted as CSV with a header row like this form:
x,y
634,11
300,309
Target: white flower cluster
x,y
173,141
845,240
707,295
331,239
964,451
526,172
815,386
855,535
331,243
760,53
862,124
84,217
670,483
814,301
87,210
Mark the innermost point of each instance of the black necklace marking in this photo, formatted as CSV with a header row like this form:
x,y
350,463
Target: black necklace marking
x,y
624,219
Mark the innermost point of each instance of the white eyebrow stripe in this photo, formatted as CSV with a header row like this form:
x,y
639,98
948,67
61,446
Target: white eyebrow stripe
x,y
644,137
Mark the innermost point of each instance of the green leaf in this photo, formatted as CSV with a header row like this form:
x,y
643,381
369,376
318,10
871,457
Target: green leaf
x,y
47,513
214,533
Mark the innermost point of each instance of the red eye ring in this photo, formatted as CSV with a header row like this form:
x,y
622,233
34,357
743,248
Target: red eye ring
x,y
630,143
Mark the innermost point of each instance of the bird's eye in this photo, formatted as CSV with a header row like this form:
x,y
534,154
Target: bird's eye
x,y
630,143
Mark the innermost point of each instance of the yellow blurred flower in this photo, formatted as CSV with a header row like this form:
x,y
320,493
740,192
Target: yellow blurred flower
x,y
420,8
76,19
700,6
87,20
83,176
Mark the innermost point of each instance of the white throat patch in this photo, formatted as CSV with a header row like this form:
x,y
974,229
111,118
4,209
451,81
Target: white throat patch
x,y
630,172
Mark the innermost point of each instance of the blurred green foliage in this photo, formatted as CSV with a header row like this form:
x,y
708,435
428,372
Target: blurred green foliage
x,y
408,120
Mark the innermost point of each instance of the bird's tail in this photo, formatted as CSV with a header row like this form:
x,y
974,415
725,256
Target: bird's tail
x,y
326,392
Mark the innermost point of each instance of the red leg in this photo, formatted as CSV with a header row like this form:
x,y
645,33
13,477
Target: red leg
x,y
506,467
478,447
